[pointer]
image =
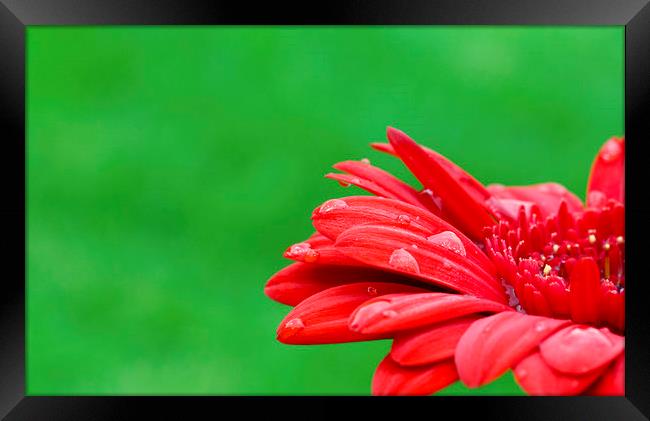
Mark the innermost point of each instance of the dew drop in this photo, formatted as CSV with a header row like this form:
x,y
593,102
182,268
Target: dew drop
x,y
372,290
403,219
540,326
450,241
611,151
437,200
294,325
365,161
297,250
304,252
522,373
331,205
389,313
310,256
343,183
402,260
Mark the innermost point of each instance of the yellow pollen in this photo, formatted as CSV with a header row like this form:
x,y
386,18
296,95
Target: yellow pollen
x,y
606,246
568,247
592,239
547,270
620,239
555,248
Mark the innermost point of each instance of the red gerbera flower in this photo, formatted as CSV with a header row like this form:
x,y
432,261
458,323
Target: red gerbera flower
x,y
469,281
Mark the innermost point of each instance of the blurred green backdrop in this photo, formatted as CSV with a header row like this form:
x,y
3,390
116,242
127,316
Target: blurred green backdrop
x,y
168,169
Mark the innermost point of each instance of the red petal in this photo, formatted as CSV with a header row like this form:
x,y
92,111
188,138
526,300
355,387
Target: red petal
x,y
363,210
430,344
402,251
298,281
612,382
393,187
319,249
392,379
547,196
367,185
332,220
385,148
584,291
493,344
607,176
468,213
322,318
581,349
401,312
538,378
472,185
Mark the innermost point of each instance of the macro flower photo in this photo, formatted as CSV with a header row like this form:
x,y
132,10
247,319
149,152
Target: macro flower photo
x,y
467,280
326,211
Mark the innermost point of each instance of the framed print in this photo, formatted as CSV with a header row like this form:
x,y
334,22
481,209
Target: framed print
x,y
360,206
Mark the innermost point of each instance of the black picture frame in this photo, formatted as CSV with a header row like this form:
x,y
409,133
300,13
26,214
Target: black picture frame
x,y
16,15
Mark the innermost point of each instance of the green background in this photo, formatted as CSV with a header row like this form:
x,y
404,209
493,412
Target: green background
x,y
169,168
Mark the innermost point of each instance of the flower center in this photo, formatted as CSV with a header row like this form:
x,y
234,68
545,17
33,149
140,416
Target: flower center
x,y
568,265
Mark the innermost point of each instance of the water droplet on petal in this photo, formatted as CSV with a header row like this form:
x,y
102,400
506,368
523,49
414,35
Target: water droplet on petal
x,y
304,252
450,241
365,161
389,313
403,219
611,151
436,199
331,205
372,290
298,249
522,373
540,326
343,183
402,260
294,325
311,256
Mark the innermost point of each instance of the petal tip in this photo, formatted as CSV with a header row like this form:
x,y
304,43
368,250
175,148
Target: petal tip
x,y
395,135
